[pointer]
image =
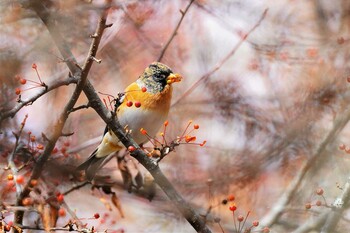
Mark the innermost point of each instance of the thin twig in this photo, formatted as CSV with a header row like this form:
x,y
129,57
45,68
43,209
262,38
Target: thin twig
x,y
223,61
183,13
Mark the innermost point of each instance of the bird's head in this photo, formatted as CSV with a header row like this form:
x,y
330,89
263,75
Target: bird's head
x,y
157,75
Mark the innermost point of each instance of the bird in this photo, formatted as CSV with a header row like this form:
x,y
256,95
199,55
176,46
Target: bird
x,y
144,104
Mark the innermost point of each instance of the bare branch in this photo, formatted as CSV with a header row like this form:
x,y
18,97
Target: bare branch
x,y
223,61
55,84
183,13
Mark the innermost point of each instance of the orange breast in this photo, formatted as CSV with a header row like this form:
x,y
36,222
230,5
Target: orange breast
x,y
149,101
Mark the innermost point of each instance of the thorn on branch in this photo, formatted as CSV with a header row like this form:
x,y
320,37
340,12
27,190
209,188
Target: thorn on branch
x,y
95,59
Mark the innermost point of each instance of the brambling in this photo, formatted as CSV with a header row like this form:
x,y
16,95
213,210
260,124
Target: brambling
x,y
144,104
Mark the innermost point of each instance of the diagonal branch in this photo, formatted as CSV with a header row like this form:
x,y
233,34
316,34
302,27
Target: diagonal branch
x,y
183,13
223,61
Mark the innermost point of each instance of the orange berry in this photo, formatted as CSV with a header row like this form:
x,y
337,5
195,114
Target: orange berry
x,y
190,138
40,147
62,212
10,177
196,126
166,123
18,91
23,81
34,182
203,143
143,89
143,131
34,66
27,201
32,138
7,228
231,197
20,179
137,104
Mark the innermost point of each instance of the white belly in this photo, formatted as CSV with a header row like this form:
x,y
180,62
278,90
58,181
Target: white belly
x,y
136,119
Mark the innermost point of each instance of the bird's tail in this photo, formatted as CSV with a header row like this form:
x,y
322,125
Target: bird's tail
x,y
91,165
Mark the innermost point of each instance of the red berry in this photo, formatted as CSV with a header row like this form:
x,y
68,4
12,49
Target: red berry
x,y
137,104
129,103
308,206
66,143
233,208
131,148
55,150
196,126
18,91
96,215
60,197
23,81
240,218
256,223
20,180
348,79
62,212
319,191
34,66
143,89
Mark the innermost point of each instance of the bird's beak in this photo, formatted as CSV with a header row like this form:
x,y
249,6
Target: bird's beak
x,y
173,78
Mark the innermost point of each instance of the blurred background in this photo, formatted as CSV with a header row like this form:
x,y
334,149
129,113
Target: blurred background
x,y
272,109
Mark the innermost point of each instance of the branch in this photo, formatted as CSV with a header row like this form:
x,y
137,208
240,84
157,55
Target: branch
x,y
55,84
81,74
183,13
223,61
